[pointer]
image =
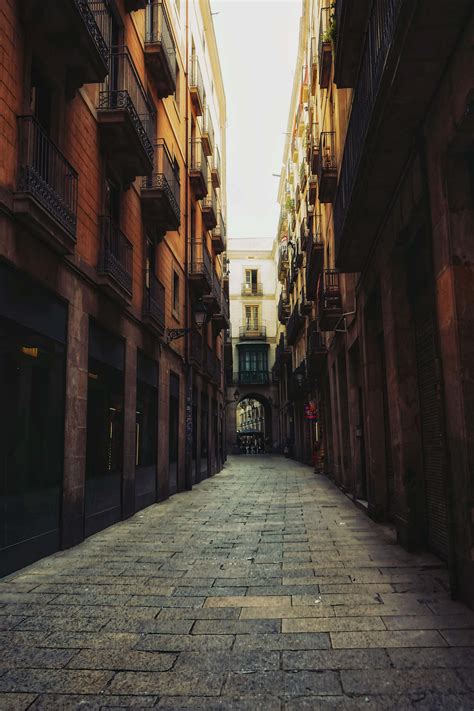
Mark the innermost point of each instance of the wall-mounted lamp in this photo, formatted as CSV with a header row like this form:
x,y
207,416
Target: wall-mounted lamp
x,y
201,316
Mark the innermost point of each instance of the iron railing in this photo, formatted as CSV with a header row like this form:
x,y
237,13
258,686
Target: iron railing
x,y
195,77
216,163
378,40
123,89
253,377
116,254
329,291
252,329
96,16
154,299
255,289
208,129
327,153
198,158
201,262
315,342
325,20
158,31
46,175
219,229
165,177
209,203
294,325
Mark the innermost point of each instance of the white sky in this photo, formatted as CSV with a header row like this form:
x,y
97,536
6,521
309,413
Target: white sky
x,y
258,42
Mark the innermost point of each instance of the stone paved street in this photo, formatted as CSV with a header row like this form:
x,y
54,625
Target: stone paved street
x,y
263,588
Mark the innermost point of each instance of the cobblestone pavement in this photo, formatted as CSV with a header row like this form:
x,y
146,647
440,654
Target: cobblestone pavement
x,y
263,588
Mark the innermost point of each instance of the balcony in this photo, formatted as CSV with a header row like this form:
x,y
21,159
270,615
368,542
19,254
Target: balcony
x,y
314,255
160,194
329,300
315,136
294,325
313,64
209,209
134,5
397,78
351,23
196,86
228,350
327,28
253,377
305,304
216,168
327,167
303,176
195,349
198,169
316,352
283,261
200,270
126,123
46,196
283,309
207,134
252,289
160,49
85,54
154,303
214,298
304,233
218,234
221,319
115,267
252,331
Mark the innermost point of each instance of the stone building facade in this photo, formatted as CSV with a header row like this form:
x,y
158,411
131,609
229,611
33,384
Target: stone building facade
x,y
251,344
379,196
112,231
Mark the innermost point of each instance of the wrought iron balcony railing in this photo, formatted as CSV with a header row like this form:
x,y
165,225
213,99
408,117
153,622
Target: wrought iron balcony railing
x,y
253,377
209,208
327,166
201,262
198,169
252,330
216,168
326,36
116,255
123,89
160,49
165,180
329,299
46,175
254,289
92,12
154,300
294,325
207,133
378,40
196,85
219,234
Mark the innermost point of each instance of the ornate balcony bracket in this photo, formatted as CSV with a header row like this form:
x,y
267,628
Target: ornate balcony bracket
x,y
172,334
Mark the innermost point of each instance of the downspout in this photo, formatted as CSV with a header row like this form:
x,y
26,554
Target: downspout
x,y
187,368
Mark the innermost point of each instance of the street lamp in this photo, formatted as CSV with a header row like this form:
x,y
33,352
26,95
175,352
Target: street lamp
x,y
200,314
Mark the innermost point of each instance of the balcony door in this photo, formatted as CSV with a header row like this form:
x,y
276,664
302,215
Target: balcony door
x,y
251,281
252,318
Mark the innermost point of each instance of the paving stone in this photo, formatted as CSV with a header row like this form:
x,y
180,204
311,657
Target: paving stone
x,y
283,611
410,638
91,640
89,702
429,622
9,622
459,638
283,683
16,701
17,657
248,601
155,601
400,681
450,657
281,642
155,626
236,626
204,613
182,643
225,702
336,659
197,682
54,680
332,624
245,663
124,660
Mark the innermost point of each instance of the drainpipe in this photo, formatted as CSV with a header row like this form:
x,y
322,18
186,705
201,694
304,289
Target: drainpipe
x,y
188,443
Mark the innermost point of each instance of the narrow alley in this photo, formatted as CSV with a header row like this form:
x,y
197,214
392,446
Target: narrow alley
x,y
263,588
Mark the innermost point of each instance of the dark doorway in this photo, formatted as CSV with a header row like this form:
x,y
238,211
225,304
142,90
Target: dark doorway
x,y
146,432
104,451
173,434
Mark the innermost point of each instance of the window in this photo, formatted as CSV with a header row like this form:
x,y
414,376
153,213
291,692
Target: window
x,y
252,317
175,292
251,281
